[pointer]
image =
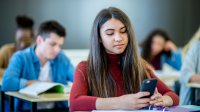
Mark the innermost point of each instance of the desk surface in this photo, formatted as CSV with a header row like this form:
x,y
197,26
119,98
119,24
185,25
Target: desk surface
x,y
47,97
183,108
191,107
168,78
194,85
167,75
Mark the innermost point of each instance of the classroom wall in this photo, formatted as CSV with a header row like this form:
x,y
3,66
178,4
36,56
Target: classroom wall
x,y
180,18
192,18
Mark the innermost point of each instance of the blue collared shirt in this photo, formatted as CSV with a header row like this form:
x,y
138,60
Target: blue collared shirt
x,y
25,65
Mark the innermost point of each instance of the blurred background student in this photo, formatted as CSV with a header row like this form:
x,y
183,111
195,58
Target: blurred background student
x,y
190,73
158,49
24,37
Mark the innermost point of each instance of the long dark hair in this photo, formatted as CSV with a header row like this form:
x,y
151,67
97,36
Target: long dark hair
x,y
146,44
100,81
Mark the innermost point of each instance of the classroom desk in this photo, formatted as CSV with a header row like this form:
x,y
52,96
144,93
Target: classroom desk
x,y
168,77
47,97
194,87
183,108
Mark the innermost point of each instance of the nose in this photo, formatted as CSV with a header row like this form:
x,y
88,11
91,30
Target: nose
x,y
118,37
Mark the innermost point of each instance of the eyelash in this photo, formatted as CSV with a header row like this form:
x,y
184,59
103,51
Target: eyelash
x,y
110,34
124,31
120,32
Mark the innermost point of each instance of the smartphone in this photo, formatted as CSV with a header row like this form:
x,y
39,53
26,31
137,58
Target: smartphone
x,y
148,85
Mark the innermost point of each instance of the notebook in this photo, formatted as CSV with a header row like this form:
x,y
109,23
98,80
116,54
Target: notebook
x,y
38,88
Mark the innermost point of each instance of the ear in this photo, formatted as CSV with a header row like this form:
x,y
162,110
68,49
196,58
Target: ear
x,y
39,40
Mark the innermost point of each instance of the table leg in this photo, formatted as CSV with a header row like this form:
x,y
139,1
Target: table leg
x,y
193,96
33,106
11,102
2,101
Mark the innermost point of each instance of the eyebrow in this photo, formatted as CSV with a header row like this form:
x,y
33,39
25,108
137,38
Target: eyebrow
x,y
108,29
113,29
122,27
51,42
54,43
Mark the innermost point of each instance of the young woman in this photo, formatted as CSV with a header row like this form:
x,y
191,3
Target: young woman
x,y
112,75
158,49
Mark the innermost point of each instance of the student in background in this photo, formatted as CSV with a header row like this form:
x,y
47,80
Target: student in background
x,y
23,39
112,75
42,62
158,49
190,72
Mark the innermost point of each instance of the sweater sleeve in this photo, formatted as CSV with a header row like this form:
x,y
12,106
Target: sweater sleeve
x,y
79,98
4,58
165,90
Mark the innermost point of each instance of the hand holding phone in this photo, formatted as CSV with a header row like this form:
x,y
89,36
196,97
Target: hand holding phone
x,y
148,85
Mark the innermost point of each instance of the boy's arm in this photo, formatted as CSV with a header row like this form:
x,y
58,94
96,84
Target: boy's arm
x,y
11,79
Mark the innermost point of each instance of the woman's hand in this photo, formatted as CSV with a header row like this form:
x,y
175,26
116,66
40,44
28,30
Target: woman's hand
x,y
159,100
170,46
134,101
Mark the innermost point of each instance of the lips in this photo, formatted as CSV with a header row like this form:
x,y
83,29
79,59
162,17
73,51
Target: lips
x,y
119,45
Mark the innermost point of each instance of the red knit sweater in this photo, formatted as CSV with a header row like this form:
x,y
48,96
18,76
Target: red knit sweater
x,y
81,101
